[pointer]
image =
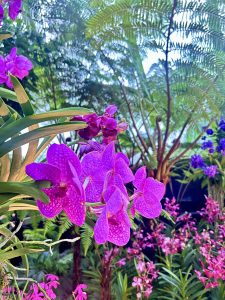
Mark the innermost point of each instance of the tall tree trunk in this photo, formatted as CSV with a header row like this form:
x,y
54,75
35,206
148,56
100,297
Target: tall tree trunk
x,y
76,264
106,282
217,192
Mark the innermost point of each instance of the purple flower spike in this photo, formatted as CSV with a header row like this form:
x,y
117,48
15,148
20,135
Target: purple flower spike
x,y
15,7
197,161
111,110
102,169
17,65
66,193
210,171
113,224
148,195
1,15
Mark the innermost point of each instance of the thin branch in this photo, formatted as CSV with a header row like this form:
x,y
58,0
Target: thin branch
x,y
192,144
168,92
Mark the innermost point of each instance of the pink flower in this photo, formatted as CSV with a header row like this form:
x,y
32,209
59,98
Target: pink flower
x,y
63,170
148,195
17,65
113,225
15,7
78,293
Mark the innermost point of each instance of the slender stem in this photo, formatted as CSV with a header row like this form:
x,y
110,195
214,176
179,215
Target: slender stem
x,y
166,66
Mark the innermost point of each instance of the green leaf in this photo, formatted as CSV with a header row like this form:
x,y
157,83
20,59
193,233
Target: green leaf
x,y
22,97
26,188
15,127
8,94
25,138
5,36
16,253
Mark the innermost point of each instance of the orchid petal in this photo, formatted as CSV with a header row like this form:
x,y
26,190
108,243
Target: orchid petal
x,y
147,209
123,170
140,177
59,155
108,156
119,229
54,207
74,206
43,171
101,229
114,200
154,187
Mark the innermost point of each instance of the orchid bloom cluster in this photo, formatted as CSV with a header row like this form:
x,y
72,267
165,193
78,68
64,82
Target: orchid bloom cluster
x,y
14,8
78,293
105,124
97,181
147,273
17,65
208,240
214,144
50,283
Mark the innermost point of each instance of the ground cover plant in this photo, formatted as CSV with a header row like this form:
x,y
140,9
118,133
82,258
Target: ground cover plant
x,y
84,173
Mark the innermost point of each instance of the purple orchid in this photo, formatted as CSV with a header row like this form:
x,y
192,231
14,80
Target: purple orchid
x,y
17,65
93,121
106,123
15,7
1,15
111,110
148,195
103,169
113,225
63,170
3,76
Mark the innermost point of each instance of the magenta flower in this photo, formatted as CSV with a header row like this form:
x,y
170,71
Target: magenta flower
x,y
113,225
93,128
102,169
1,16
106,124
17,65
3,76
15,7
148,195
66,193
111,110
79,294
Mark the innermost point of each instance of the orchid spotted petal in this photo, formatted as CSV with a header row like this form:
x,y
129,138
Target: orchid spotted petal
x,y
66,193
148,195
113,225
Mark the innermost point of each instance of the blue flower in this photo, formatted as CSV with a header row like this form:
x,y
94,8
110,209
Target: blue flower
x,y
222,124
209,131
197,161
210,171
208,145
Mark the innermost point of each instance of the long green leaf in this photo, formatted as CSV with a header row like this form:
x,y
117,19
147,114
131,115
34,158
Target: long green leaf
x,y
26,188
25,138
16,253
5,93
15,127
5,36
22,96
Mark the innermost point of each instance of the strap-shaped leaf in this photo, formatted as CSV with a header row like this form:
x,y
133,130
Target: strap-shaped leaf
x,y
16,253
5,36
4,167
26,188
25,138
22,96
8,94
14,128
4,110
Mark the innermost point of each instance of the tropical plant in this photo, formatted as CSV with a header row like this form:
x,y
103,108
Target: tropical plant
x,y
164,102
